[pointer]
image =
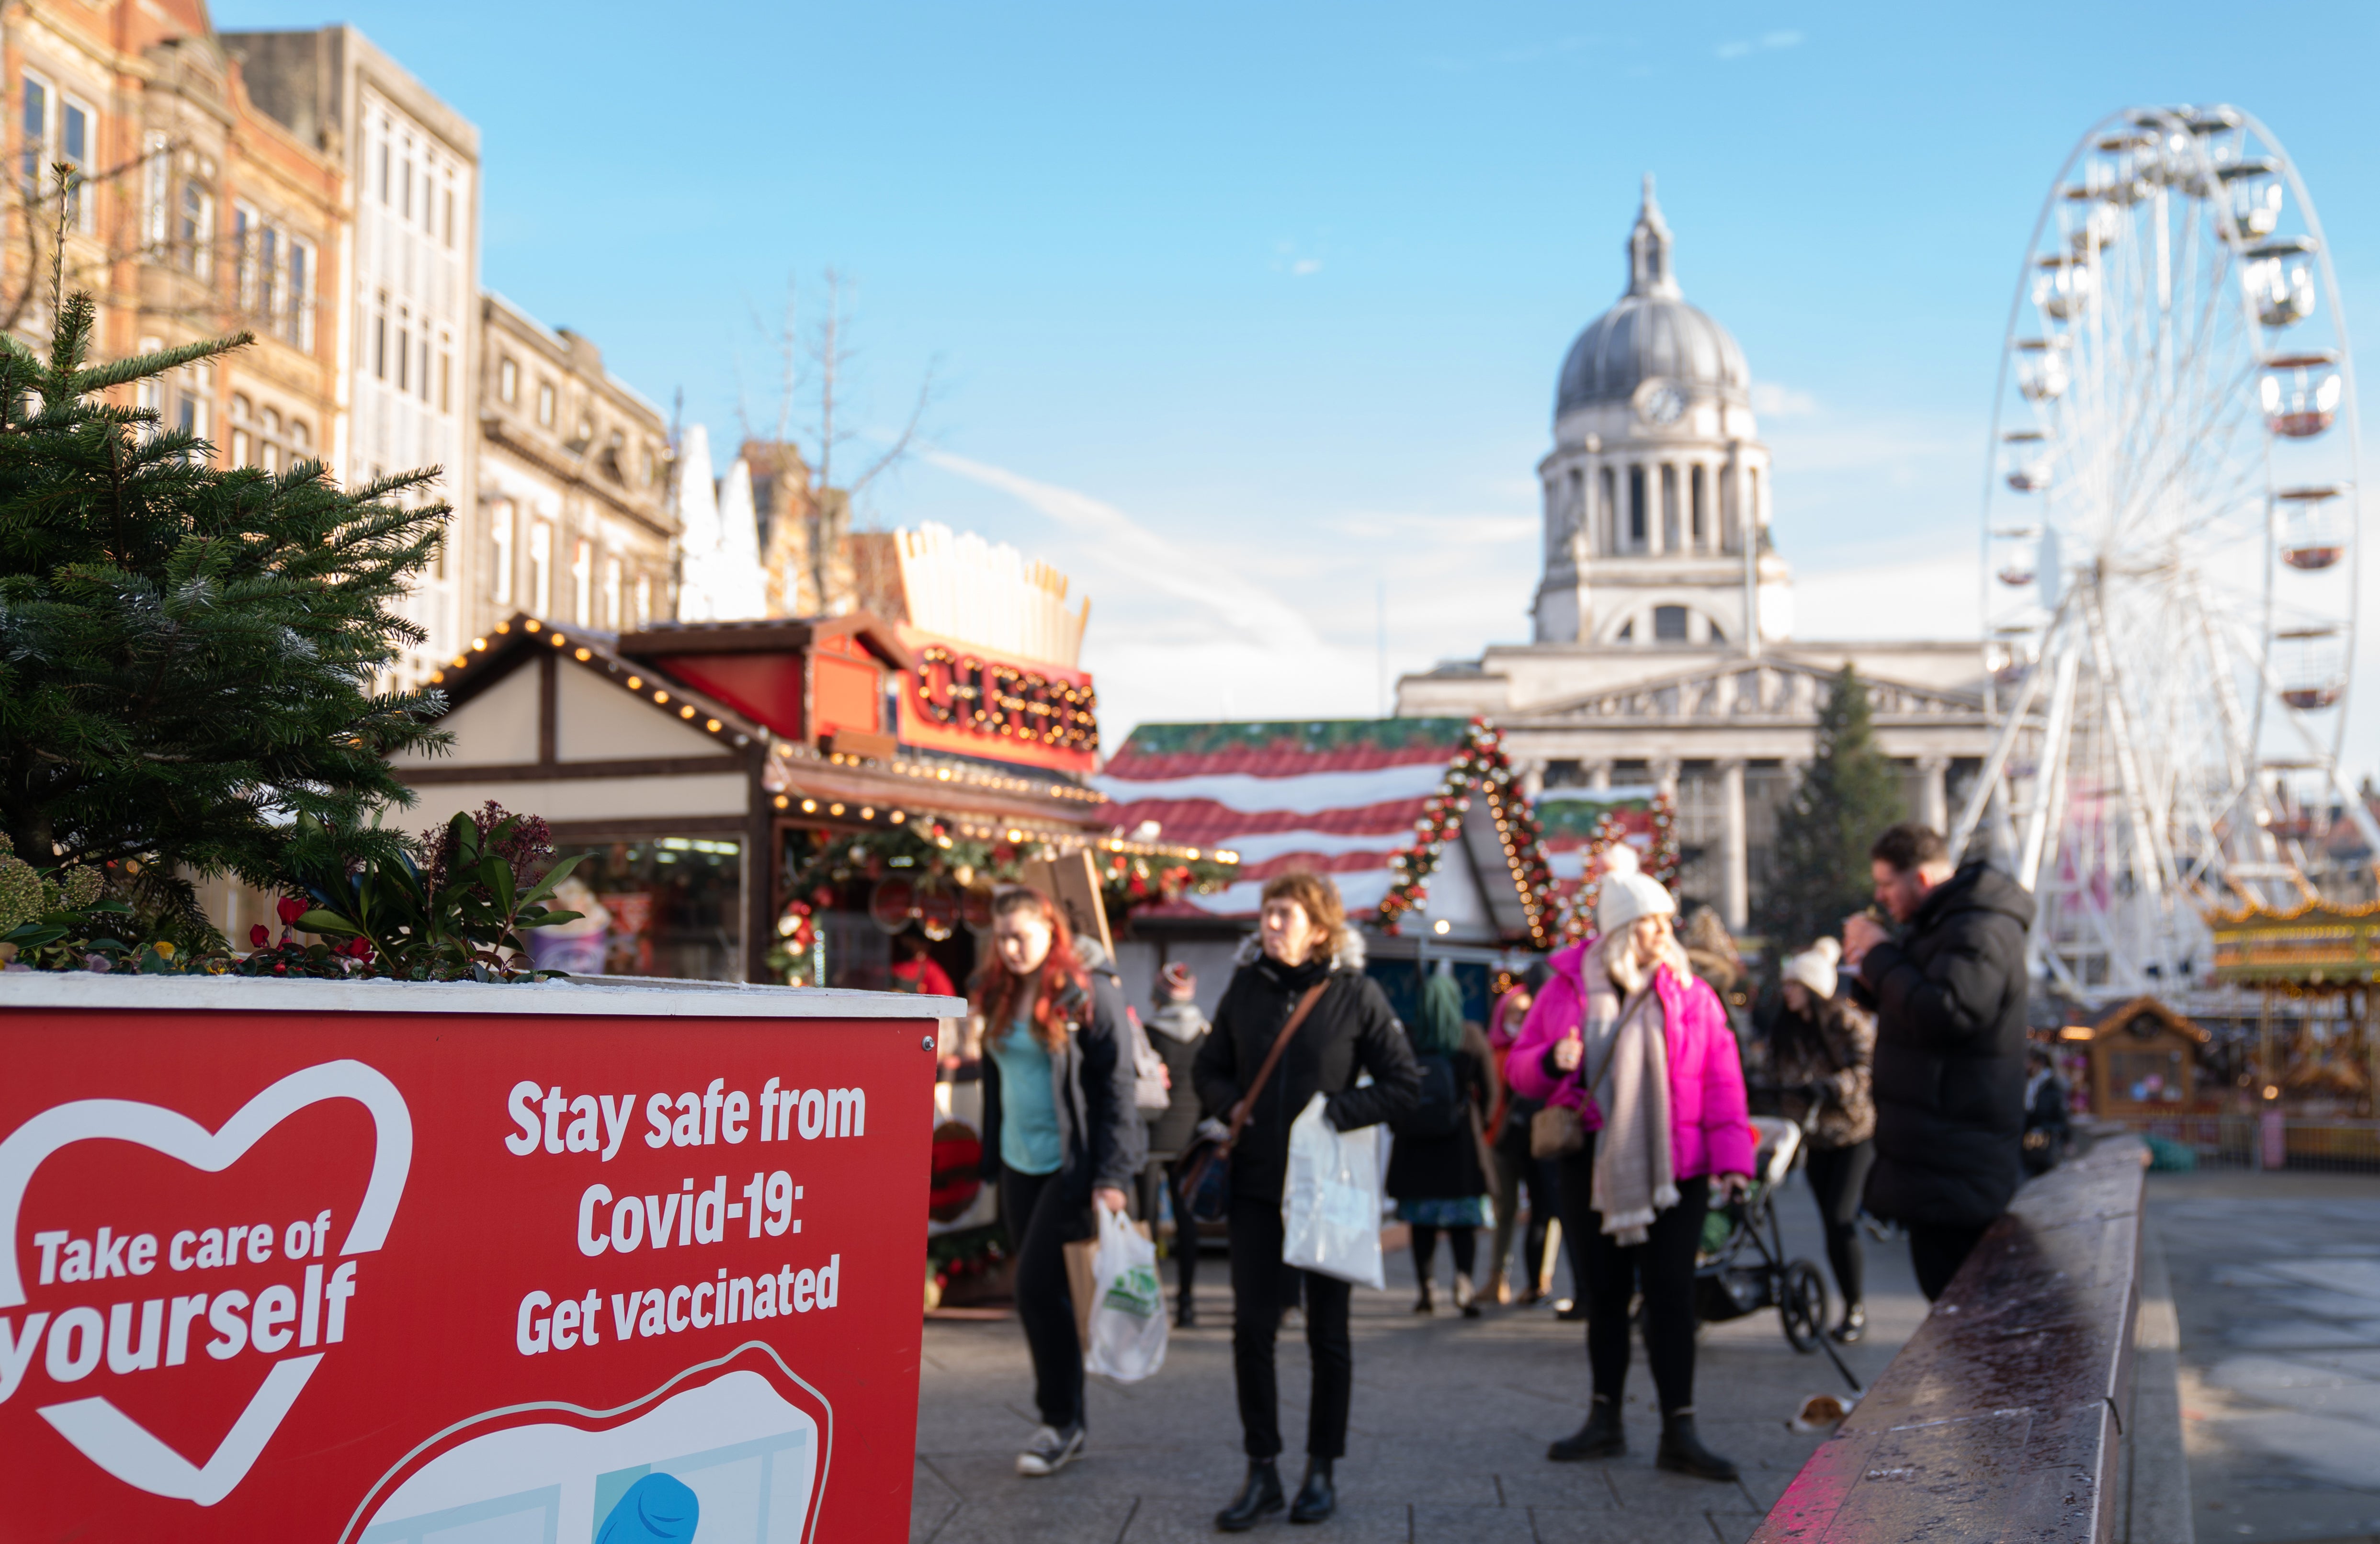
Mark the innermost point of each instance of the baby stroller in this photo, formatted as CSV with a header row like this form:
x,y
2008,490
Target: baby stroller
x,y
1742,1266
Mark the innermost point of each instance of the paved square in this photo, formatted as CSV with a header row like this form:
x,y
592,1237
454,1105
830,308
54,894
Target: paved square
x,y
1452,1418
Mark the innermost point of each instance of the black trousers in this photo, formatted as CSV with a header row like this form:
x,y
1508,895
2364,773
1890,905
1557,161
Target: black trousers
x,y
1839,1177
1516,1170
1935,1253
1258,1295
1464,1241
1169,1176
1034,1210
1662,1268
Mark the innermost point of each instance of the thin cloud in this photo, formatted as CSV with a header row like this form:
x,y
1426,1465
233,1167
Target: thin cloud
x,y
1767,43
1124,544
1773,400
1304,266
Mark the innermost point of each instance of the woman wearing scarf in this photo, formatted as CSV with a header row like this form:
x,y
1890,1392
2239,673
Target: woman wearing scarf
x,y
1665,1115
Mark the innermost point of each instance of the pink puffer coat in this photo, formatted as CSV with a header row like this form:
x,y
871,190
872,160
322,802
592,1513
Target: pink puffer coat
x,y
1709,1132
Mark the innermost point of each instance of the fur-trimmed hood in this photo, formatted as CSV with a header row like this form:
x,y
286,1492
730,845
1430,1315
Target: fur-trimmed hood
x,y
1346,954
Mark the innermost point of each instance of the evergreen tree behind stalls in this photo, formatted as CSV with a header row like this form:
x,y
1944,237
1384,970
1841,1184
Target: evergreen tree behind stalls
x,y
1846,797
188,651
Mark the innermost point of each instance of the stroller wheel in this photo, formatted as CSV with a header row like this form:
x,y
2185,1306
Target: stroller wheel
x,y
1803,1305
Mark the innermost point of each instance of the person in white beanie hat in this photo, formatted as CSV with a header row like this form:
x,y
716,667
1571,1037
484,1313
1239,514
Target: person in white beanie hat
x,y
1626,1034
1820,1046
1628,893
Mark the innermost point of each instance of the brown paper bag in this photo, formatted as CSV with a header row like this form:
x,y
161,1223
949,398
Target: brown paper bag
x,y
1081,1286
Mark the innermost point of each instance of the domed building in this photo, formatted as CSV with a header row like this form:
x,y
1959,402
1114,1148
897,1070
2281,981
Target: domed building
x,y
1662,658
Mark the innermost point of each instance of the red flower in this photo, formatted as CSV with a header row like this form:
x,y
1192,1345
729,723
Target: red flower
x,y
258,935
292,907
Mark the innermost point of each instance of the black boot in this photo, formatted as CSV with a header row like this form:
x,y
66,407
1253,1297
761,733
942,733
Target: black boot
x,y
1258,1498
1682,1452
1316,1500
1186,1313
1600,1438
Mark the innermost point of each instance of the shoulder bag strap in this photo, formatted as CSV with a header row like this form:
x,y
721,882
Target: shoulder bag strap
x,y
1272,1058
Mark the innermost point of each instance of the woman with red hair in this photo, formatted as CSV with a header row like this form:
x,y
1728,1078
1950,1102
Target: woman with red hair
x,y
1060,1133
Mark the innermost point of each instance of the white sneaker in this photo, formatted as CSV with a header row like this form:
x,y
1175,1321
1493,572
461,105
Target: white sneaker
x,y
1051,1449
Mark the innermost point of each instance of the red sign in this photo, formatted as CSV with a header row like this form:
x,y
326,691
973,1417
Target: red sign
x,y
961,700
376,1277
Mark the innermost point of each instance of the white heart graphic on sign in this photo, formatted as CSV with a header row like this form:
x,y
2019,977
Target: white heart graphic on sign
x,y
104,1434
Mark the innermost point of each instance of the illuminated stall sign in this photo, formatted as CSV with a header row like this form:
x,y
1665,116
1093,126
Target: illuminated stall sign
x,y
962,700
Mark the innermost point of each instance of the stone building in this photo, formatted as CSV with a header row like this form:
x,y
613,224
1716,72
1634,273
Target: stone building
x,y
570,518
195,214
406,312
1663,654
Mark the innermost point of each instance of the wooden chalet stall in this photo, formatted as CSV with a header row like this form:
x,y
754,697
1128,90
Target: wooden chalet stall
x,y
803,789
2144,1062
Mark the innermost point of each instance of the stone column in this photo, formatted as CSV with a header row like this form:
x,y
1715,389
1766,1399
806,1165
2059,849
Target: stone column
x,y
1933,793
1665,777
1598,774
1532,778
1735,873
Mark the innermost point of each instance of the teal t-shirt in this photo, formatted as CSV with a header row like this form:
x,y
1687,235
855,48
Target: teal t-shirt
x,y
1029,1117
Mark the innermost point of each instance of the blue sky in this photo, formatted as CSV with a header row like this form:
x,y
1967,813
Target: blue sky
x,y
1249,315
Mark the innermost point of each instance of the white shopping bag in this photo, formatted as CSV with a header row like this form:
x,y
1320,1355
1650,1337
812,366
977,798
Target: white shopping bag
x,y
1331,1206
1127,1305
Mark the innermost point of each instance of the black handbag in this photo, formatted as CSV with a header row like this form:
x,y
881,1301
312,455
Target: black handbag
x,y
1207,1164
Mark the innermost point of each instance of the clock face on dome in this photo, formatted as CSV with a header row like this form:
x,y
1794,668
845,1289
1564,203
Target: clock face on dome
x,y
1663,403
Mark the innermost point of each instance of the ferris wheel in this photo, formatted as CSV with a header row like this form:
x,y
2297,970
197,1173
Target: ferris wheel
x,y
2169,568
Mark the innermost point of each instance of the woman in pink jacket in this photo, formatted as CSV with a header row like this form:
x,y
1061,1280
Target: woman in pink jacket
x,y
1625,1034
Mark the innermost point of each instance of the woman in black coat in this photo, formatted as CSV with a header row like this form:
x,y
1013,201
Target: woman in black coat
x,y
1060,1132
1435,1174
1305,945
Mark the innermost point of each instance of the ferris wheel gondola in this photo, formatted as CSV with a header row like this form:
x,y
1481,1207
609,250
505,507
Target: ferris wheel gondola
x,y
2169,574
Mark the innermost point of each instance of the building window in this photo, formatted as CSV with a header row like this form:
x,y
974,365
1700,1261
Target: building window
x,y
540,568
644,600
1668,624
156,191
612,593
507,381
34,93
545,403
500,532
1669,542
269,436
1701,502
299,325
446,372
403,347
197,236
450,219
1610,513
243,444
582,582
1636,509
383,170
77,134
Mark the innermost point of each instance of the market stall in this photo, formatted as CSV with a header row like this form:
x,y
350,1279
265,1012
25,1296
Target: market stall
x,y
1419,821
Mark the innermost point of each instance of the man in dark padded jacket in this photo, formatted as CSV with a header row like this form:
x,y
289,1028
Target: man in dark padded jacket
x,y
1949,997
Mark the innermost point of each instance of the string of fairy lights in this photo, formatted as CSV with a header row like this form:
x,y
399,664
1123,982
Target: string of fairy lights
x,y
931,777
1480,767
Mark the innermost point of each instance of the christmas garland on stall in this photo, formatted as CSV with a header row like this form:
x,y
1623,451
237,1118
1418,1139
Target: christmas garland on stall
x,y
926,852
1481,767
1661,864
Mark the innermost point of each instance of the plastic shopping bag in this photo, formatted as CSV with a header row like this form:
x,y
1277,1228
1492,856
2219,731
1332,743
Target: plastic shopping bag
x,y
1128,1340
1330,1207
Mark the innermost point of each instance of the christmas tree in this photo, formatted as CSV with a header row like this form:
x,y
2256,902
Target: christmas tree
x,y
188,652
1846,797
